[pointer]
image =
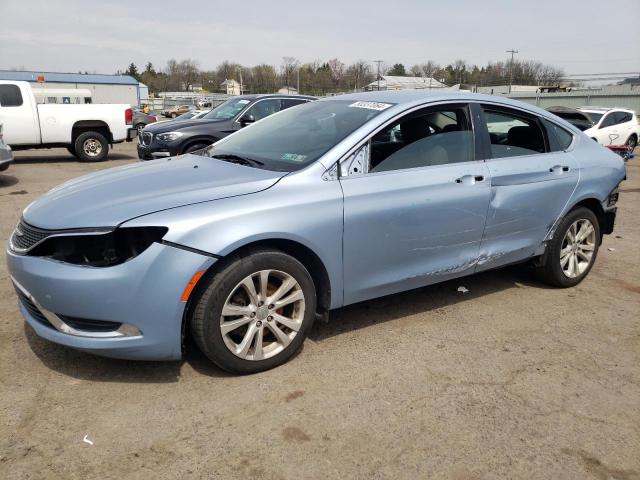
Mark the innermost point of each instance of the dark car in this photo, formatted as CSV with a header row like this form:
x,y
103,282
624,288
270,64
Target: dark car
x,y
167,139
6,155
141,119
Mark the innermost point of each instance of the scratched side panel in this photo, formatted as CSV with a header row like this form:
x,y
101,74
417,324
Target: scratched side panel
x,y
526,200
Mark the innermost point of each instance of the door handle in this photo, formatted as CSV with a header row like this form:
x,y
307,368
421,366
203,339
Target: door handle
x,y
470,179
559,169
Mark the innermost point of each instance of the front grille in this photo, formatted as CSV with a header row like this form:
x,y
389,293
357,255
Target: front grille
x,y
25,236
146,138
32,309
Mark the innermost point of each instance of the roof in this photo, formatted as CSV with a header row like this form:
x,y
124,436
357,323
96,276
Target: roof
x,y
406,98
393,81
56,77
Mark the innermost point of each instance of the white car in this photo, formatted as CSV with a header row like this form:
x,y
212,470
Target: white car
x,y
613,126
85,130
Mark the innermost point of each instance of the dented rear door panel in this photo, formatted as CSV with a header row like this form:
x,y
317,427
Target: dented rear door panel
x,y
528,194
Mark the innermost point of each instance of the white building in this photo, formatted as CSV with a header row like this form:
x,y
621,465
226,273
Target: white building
x,y
392,82
288,90
104,88
232,87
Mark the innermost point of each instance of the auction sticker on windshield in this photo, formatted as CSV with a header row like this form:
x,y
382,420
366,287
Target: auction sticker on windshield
x,y
371,105
293,157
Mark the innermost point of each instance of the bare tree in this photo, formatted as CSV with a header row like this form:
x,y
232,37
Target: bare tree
x,y
289,66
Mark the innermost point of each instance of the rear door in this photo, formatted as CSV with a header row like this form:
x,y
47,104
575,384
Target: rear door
x,y
532,177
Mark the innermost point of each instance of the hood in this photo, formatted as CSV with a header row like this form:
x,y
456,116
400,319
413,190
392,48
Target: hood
x,y
110,197
172,125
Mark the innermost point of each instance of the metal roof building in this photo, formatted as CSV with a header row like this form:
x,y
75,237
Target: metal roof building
x,y
104,88
392,82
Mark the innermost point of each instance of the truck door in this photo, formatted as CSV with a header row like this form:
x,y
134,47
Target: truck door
x,y
18,115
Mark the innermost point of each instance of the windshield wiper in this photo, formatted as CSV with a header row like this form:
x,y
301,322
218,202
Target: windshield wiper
x,y
229,157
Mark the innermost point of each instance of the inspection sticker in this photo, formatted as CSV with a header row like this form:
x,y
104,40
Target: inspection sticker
x,y
371,105
243,102
293,157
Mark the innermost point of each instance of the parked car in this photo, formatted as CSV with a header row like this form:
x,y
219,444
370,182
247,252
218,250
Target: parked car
x,y
177,111
141,119
6,155
607,126
86,130
173,138
193,114
314,208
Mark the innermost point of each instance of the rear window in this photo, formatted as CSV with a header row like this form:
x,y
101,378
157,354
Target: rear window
x,y
10,96
559,138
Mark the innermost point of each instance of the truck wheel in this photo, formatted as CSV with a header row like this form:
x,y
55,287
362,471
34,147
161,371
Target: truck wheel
x,y
72,150
91,147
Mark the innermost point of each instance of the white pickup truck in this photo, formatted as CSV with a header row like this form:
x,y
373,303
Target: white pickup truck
x,y
85,130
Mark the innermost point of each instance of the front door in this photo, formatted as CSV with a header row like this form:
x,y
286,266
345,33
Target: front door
x,y
415,200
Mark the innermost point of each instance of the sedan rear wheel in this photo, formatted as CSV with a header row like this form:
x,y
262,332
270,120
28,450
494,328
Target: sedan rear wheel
x,y
571,253
254,313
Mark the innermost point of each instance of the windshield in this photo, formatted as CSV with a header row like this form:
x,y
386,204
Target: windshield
x,y
595,117
185,116
297,136
228,109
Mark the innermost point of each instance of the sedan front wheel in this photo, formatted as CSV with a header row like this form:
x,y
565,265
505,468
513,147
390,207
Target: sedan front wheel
x,y
254,314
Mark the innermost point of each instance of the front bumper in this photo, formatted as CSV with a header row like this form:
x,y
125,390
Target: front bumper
x,y
142,294
154,151
6,157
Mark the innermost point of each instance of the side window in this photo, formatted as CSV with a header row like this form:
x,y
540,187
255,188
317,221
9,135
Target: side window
x,y
559,138
10,96
609,120
513,134
623,117
264,108
289,102
433,136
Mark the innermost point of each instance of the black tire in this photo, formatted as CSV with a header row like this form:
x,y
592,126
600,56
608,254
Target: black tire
x,y
207,308
71,149
550,270
632,142
139,127
196,147
101,143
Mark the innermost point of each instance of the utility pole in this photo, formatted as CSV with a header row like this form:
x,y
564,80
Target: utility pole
x,y
378,62
512,52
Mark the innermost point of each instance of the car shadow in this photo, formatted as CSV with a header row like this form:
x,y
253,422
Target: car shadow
x,y
85,366
7,180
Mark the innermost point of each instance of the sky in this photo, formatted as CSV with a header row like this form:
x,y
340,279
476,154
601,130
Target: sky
x,y
581,36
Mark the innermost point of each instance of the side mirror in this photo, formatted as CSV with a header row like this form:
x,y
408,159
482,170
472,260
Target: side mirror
x,y
247,119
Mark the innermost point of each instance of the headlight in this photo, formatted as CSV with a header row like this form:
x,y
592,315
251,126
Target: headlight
x,y
102,250
169,136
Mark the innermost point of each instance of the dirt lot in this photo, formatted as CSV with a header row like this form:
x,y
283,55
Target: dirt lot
x,y
510,380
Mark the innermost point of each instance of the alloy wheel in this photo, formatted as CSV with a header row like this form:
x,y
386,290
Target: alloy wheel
x,y
92,147
578,245
262,315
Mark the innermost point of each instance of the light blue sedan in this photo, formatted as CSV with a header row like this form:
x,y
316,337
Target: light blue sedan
x,y
319,206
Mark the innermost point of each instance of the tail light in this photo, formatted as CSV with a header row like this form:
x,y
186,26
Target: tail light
x,y
128,116
153,118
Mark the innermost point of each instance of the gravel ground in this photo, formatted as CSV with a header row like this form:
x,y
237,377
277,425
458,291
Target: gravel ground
x,y
510,380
